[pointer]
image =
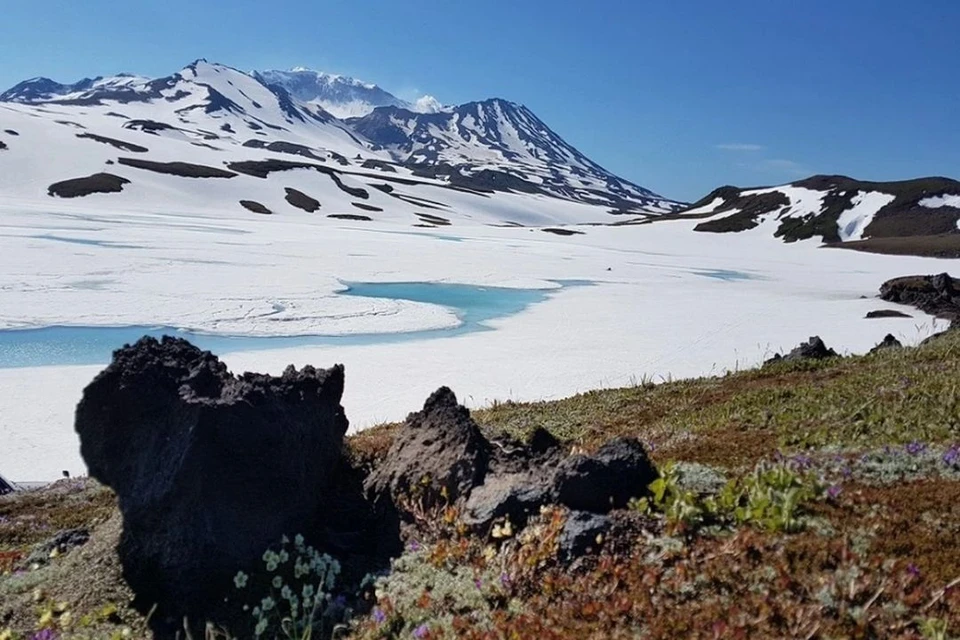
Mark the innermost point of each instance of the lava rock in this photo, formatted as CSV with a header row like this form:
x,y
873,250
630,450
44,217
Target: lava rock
x,y
937,295
6,486
61,543
513,496
582,532
813,349
619,471
439,456
211,469
889,342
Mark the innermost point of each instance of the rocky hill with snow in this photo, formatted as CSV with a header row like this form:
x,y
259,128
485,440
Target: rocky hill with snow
x,y
210,137
838,209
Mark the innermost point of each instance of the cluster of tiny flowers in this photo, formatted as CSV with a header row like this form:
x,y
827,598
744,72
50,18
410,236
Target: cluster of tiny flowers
x,y
293,609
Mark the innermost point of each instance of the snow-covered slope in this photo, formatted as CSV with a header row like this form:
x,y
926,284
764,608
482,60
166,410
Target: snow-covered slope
x,y
499,143
342,96
836,209
212,138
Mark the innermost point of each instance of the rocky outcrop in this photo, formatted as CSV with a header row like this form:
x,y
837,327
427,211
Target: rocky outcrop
x,y
937,295
440,454
812,349
210,469
887,313
888,342
5,486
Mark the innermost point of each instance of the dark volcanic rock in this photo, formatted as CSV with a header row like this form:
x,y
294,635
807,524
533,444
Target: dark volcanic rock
x,y
211,469
813,349
301,200
3,145
620,470
113,142
937,295
888,342
78,187
582,532
887,313
5,486
63,542
181,169
439,455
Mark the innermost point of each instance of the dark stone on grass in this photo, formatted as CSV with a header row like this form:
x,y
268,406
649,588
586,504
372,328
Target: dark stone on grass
x,y
211,469
813,349
619,471
79,187
62,543
582,533
254,206
888,342
439,456
937,295
887,313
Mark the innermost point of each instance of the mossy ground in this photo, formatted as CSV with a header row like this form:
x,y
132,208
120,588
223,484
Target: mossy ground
x,y
875,560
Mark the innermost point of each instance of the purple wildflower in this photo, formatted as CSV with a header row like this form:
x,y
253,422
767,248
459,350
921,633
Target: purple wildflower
x,y
952,456
834,491
846,471
414,546
504,580
479,583
802,462
421,631
915,448
913,570
379,616
45,634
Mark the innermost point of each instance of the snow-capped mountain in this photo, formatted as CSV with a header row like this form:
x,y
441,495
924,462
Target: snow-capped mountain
x,y
342,96
837,209
497,142
210,137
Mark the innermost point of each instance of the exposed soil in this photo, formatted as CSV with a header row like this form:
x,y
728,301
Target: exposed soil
x,y
119,144
301,200
256,207
182,169
97,183
349,216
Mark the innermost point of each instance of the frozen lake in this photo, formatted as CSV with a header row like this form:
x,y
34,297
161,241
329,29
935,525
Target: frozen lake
x,y
473,305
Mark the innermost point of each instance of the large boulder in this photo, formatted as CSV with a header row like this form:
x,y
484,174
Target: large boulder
x,y
812,349
211,469
937,295
619,470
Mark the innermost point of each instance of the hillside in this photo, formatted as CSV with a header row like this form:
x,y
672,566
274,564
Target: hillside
x,y
852,465
915,217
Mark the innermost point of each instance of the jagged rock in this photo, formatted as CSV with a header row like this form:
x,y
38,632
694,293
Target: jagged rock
x,y
813,349
937,295
6,486
620,470
211,469
439,456
582,532
889,342
440,453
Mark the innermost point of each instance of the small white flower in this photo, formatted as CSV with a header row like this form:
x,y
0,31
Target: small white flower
x,y
308,591
261,627
277,582
267,604
298,541
240,580
286,593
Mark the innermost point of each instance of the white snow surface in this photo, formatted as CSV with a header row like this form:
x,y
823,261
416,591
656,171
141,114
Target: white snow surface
x,y
941,201
654,310
855,220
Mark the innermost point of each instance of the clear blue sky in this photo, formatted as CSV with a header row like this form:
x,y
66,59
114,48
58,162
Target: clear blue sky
x,y
678,96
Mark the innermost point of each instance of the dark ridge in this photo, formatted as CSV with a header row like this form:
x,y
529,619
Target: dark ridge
x,y
263,168
148,126
10,132
356,192
3,145
119,144
226,127
182,169
750,207
97,183
366,207
256,207
563,232
114,114
342,160
285,147
887,313
301,200
436,220
386,188
349,216
254,126
378,164
945,246
69,123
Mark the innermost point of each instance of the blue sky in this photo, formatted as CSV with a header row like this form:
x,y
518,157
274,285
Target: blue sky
x,y
678,96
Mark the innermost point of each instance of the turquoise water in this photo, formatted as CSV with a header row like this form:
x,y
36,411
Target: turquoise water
x,y
725,274
474,306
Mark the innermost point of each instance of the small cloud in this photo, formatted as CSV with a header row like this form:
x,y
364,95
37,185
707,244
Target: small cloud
x,y
739,146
